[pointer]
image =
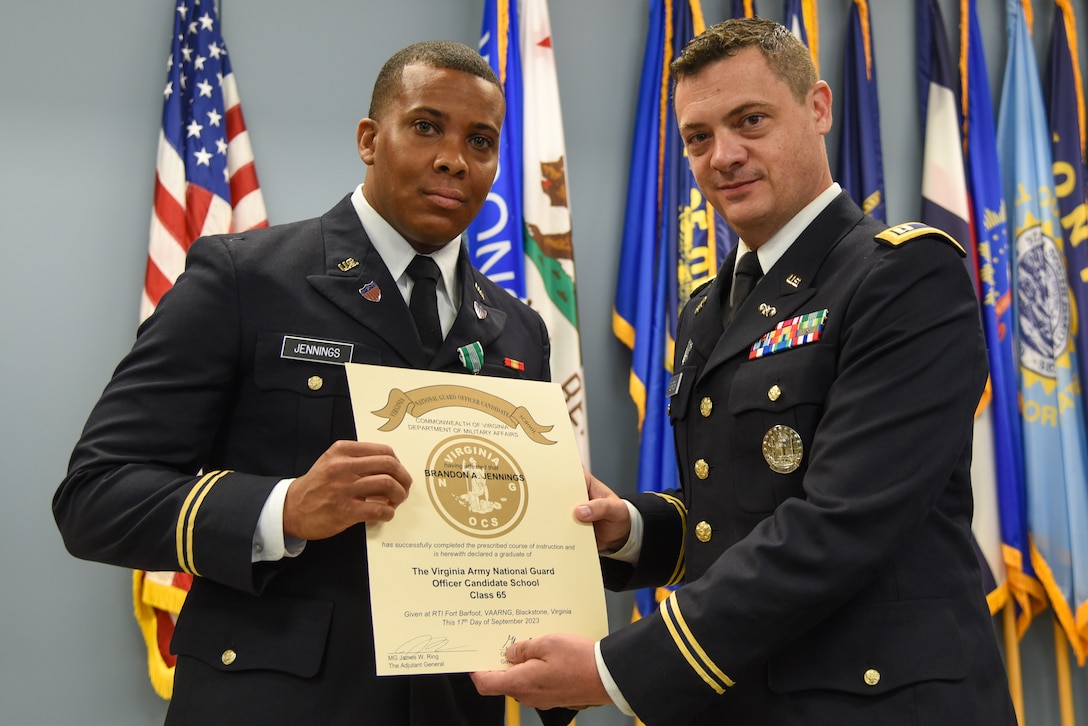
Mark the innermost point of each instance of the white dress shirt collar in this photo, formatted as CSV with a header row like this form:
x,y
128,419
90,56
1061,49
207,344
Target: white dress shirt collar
x,y
773,249
396,253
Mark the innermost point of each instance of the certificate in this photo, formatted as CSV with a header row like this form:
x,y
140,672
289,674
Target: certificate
x,y
486,550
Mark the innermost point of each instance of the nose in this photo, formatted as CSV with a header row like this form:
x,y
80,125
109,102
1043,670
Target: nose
x,y
450,159
728,153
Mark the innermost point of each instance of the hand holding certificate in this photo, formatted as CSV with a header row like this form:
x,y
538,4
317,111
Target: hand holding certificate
x,y
485,551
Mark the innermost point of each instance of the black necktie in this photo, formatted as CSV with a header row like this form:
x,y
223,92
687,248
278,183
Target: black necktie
x,y
424,304
747,275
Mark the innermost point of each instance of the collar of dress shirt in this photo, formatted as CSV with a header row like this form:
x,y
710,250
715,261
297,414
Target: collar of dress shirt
x,y
396,253
773,249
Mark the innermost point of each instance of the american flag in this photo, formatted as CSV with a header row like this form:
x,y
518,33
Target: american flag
x,y
205,183
205,180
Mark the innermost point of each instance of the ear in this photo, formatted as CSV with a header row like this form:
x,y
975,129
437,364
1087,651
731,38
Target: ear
x,y
366,137
820,102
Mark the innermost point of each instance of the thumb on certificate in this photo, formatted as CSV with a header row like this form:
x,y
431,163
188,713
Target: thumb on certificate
x,y
603,502
597,489
518,651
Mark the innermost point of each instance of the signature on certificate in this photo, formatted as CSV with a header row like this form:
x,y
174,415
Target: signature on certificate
x,y
510,640
431,644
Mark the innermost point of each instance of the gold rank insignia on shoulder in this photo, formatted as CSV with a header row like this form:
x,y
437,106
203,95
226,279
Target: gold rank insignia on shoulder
x,y
903,233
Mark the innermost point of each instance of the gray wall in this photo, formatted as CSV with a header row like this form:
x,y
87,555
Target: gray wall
x,y
81,86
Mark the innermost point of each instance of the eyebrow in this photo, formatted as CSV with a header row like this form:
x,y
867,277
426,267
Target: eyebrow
x,y
751,107
737,112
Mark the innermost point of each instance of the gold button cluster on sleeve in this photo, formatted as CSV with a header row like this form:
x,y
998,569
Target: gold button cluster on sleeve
x,y
228,656
702,469
703,531
315,383
706,406
872,677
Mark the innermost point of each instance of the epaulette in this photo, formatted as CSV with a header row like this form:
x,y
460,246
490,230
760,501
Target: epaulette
x,y
903,233
701,287
695,292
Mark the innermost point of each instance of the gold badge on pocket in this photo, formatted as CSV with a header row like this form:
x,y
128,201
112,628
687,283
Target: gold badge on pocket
x,y
782,448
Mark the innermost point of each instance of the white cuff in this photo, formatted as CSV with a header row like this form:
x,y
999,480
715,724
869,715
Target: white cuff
x,y
609,684
632,548
269,542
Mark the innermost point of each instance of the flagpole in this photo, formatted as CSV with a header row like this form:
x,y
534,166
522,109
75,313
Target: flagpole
x,y
1012,659
1065,685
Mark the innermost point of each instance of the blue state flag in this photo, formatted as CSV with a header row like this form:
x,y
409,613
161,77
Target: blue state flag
x,y
1065,103
945,206
496,238
802,18
990,231
743,9
670,245
860,158
1064,93
1055,450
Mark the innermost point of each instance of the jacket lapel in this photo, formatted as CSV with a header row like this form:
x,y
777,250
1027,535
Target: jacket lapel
x,y
478,319
706,317
352,265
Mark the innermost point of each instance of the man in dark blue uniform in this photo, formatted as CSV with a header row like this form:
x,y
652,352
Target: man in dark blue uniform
x,y
224,445
822,401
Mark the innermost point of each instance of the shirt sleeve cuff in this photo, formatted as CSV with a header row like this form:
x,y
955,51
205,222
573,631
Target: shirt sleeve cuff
x,y
631,549
609,684
269,542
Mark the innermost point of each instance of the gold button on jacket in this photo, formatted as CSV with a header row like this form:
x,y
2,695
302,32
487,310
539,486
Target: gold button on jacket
x,y
703,531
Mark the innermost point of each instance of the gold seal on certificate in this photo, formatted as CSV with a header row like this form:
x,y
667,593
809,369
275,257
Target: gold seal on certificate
x,y
486,550
476,486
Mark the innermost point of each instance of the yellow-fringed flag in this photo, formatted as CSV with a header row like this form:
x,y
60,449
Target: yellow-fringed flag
x,y
803,19
989,226
1064,92
205,183
945,206
1065,102
744,9
672,242
860,160
1055,449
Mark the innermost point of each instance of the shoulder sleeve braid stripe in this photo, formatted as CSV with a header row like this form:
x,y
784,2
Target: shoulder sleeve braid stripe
x,y
689,647
187,519
679,571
